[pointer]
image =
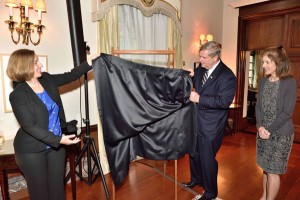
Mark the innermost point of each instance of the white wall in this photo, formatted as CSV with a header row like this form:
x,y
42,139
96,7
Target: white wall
x,y
230,32
209,17
198,17
56,44
205,16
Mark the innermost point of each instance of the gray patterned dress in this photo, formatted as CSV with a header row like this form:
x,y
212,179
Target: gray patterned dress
x,y
273,153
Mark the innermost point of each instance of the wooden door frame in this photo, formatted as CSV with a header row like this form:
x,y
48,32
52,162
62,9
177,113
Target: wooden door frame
x,y
246,14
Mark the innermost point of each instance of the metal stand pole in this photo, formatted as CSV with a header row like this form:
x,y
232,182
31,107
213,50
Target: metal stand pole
x,y
90,149
79,55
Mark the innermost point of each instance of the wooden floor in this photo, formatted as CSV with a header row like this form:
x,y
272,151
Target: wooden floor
x,y
239,177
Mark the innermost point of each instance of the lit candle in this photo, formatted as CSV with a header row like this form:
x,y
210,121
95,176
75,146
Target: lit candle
x,y
26,11
209,37
10,10
202,37
39,15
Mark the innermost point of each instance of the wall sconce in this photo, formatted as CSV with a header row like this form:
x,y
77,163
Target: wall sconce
x,y
24,29
204,39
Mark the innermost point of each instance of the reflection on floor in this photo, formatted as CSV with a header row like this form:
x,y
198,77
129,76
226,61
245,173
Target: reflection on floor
x,y
239,176
251,128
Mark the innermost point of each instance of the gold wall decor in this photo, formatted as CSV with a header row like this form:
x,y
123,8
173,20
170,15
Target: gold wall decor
x,y
148,3
25,27
170,8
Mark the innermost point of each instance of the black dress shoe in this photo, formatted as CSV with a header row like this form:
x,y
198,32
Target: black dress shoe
x,y
189,184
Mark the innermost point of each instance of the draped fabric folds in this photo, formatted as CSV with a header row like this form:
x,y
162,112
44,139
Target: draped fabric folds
x,y
145,111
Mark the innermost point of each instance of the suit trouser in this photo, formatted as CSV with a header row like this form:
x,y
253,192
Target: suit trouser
x,y
44,173
204,166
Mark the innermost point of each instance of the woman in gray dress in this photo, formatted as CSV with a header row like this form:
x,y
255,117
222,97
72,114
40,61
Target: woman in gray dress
x,y
277,96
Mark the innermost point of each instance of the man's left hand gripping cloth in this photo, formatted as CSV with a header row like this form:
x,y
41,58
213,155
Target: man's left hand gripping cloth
x,y
145,111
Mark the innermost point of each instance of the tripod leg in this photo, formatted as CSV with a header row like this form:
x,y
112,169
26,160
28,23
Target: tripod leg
x,y
91,153
97,161
81,154
78,159
89,164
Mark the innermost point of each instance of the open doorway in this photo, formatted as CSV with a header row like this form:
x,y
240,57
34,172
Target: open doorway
x,y
252,75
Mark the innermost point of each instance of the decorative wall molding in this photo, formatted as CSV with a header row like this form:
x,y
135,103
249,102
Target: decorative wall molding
x,y
170,8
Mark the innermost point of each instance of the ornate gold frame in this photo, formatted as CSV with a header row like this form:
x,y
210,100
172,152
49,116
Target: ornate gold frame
x,y
148,3
147,7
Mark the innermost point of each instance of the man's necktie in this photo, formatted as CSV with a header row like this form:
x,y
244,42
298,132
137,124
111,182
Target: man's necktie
x,y
205,77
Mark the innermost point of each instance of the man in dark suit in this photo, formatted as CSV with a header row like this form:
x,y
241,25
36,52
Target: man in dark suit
x,y
214,92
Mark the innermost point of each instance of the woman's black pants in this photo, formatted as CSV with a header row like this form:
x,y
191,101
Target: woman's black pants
x,y
44,173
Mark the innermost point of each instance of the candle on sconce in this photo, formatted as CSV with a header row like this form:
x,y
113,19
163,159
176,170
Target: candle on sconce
x,y
209,37
40,7
10,11
202,37
11,4
27,4
26,11
39,15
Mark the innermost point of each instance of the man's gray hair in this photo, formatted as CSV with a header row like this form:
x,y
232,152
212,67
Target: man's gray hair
x,y
214,48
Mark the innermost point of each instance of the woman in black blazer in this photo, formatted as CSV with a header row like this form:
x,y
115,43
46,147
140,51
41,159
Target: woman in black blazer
x,y
38,108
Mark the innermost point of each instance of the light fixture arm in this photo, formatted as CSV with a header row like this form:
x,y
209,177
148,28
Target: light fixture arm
x,y
11,26
39,40
12,36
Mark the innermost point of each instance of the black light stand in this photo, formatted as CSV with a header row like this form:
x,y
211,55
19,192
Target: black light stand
x,y
79,55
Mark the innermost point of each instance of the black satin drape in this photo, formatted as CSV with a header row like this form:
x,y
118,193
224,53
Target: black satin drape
x,y
145,111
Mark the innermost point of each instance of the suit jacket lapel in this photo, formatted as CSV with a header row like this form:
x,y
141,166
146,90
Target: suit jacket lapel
x,y
32,95
213,76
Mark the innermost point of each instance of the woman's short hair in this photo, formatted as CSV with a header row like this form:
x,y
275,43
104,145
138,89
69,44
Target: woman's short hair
x,y
214,48
20,65
282,62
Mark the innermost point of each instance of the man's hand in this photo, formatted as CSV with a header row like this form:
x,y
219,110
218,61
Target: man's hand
x,y
194,97
190,70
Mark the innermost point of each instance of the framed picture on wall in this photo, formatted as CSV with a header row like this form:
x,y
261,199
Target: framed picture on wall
x,y
7,86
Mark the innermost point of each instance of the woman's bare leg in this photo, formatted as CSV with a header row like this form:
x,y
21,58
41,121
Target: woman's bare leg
x,y
273,185
265,186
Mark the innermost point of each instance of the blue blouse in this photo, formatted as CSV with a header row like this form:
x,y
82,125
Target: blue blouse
x,y
52,107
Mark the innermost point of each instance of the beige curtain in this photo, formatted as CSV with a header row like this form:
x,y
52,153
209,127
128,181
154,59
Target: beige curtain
x,y
107,37
108,31
174,42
